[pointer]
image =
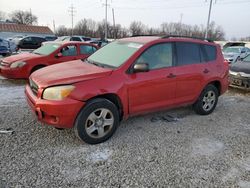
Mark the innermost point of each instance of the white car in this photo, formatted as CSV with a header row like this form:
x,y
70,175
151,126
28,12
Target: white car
x,y
235,53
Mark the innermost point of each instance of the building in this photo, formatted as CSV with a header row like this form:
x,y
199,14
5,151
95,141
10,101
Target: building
x,y
9,30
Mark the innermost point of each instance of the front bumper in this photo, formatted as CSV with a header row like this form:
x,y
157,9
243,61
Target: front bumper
x,y
239,82
13,73
61,114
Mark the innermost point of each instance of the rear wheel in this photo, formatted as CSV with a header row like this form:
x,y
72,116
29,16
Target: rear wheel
x,y
207,101
97,121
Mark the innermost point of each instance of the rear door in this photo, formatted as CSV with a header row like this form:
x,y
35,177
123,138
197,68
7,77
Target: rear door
x,y
191,71
155,89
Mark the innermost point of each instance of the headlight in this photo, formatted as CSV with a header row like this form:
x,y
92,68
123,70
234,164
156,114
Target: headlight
x,y
58,92
17,64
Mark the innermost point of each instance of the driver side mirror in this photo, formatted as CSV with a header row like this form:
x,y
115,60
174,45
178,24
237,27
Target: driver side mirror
x,y
58,55
140,67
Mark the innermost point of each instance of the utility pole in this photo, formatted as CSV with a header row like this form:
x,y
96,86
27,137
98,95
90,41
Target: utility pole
x,y
106,19
72,12
54,26
31,19
113,12
208,19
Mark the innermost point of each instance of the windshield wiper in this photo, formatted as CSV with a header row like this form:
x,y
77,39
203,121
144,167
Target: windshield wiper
x,y
36,53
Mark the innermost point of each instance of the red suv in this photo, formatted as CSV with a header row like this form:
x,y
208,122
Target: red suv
x,y
22,65
128,77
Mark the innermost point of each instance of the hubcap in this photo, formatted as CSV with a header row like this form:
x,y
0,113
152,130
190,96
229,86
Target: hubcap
x,y
208,101
99,123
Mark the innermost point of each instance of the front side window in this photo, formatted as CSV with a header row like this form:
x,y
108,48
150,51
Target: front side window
x,y
84,49
69,50
157,56
187,53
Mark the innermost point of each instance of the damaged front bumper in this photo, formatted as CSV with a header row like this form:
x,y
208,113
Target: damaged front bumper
x,y
239,80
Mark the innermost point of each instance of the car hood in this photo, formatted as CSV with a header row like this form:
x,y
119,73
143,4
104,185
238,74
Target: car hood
x,y
241,67
68,73
21,57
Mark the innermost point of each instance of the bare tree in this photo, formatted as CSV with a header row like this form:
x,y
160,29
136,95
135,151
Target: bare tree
x,y
23,17
2,16
137,28
62,31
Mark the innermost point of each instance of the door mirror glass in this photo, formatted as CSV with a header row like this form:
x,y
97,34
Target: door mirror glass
x,y
140,67
59,55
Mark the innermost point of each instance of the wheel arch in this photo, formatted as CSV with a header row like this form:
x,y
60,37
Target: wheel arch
x,y
114,98
217,84
36,67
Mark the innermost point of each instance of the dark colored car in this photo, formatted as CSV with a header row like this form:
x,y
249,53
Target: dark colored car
x,y
30,42
125,78
239,74
50,53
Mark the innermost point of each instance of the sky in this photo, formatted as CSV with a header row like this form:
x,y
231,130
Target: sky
x,y
232,15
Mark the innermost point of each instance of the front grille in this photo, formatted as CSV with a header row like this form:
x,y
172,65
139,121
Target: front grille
x,y
239,81
34,87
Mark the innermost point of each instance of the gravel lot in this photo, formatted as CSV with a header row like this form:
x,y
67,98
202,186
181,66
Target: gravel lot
x,y
193,151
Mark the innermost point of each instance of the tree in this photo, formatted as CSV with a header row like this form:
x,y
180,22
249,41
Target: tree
x,y
62,31
2,16
137,28
23,17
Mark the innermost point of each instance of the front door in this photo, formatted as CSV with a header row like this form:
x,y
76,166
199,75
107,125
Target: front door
x,y
155,89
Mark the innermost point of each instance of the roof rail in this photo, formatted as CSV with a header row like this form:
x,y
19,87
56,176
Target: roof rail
x,y
156,35
183,36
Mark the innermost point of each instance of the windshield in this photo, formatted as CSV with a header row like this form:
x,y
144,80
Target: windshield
x,y
246,59
46,49
115,53
232,50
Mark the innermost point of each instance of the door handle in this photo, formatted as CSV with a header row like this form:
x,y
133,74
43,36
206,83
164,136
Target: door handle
x,y
171,75
206,71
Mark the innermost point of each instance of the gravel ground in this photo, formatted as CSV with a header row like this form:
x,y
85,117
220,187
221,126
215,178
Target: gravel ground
x,y
192,151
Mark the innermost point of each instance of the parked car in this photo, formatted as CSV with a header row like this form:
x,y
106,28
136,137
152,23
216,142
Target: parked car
x,y
22,65
30,42
100,43
73,38
239,74
235,53
7,47
128,77
50,38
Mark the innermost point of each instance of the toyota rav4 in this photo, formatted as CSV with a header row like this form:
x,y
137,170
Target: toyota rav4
x,y
128,77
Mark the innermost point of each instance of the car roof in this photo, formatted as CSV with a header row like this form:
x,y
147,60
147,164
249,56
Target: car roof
x,y
141,39
147,39
66,42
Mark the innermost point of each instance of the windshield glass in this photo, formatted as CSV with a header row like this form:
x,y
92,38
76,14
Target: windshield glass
x,y
46,49
231,50
115,53
246,59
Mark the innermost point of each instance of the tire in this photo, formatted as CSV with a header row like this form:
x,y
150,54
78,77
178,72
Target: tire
x,y
36,68
207,100
90,124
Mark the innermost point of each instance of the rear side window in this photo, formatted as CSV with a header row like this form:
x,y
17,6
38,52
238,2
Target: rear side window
x,y
75,39
187,53
84,49
210,52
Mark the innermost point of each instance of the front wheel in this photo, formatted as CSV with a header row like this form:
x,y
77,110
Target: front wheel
x,y
207,101
97,121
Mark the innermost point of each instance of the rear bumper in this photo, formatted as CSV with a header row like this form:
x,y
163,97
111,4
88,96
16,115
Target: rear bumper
x,y
61,114
13,73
